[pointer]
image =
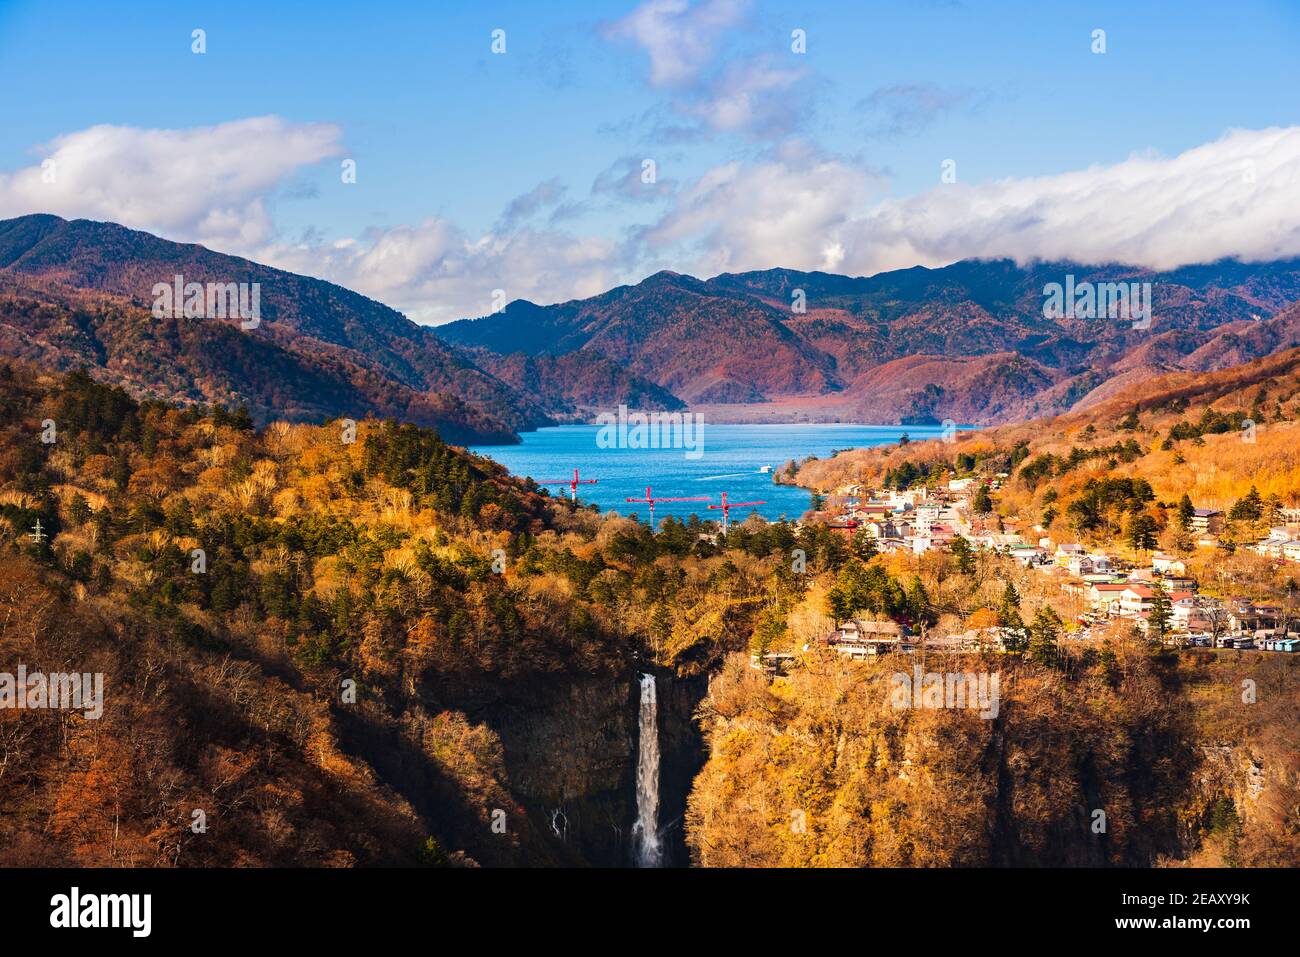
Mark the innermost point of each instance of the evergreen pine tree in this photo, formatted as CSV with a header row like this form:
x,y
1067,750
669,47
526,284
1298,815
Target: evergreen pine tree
x,y
1160,615
1044,635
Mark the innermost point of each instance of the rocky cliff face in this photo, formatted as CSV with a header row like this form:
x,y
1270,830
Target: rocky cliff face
x,y
1243,806
1168,765
819,770
555,764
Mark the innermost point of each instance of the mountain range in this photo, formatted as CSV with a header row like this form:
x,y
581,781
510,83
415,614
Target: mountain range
x,y
968,342
79,293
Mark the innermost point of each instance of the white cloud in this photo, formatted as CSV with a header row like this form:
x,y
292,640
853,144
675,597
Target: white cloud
x,y
756,96
212,185
542,196
752,95
795,207
207,184
625,179
435,272
1235,197
678,37
788,210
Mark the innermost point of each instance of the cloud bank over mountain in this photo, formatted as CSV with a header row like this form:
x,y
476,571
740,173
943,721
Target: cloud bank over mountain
x,y
792,206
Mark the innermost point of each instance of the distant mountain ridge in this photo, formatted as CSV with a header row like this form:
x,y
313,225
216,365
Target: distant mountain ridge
x,y
967,341
79,293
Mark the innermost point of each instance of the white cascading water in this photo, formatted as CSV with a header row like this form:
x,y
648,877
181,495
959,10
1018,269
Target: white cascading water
x,y
645,833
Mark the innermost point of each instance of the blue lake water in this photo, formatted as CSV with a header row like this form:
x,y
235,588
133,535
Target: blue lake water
x,y
731,459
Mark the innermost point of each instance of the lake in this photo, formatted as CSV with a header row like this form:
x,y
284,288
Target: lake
x,y
730,462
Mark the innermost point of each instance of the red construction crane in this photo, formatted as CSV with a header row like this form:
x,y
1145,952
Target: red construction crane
x,y
650,500
573,483
728,506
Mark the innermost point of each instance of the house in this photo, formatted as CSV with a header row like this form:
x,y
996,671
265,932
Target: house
x,y
1105,580
1136,600
977,639
874,511
907,498
961,641
1245,617
1275,545
1080,565
1101,562
1029,555
924,517
882,529
1279,544
774,663
846,526
1097,563
858,638
1167,565
1106,597
942,534
1074,586
1183,605
1066,552
1208,520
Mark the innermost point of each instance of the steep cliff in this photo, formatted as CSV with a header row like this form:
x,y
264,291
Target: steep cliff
x,y
1149,760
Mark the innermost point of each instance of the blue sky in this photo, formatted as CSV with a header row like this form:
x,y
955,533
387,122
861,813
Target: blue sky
x,y
850,135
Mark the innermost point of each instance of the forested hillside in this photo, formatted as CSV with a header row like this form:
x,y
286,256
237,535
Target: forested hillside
x,y
818,769
381,649
491,633
1210,436
80,294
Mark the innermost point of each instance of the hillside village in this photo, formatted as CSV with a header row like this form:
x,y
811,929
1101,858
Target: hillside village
x,y
1157,596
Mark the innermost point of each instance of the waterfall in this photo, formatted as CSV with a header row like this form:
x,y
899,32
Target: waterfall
x,y
645,833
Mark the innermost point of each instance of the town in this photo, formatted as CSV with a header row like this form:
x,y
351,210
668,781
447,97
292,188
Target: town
x,y
1157,596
